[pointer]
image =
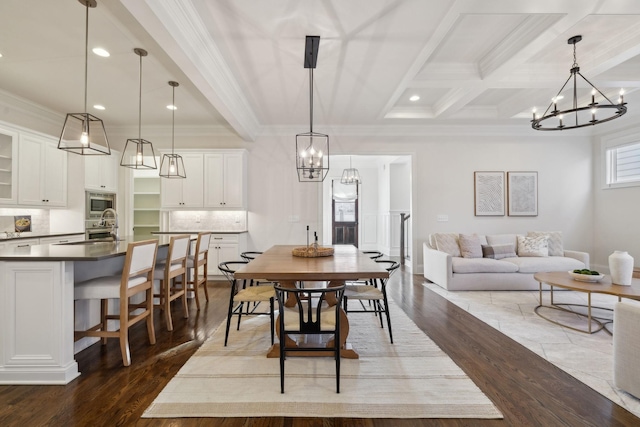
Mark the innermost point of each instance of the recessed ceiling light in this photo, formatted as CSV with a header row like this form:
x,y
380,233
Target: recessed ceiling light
x,y
414,98
98,107
171,107
101,52
0,55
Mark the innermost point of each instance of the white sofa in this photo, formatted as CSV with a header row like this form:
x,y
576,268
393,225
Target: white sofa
x,y
457,273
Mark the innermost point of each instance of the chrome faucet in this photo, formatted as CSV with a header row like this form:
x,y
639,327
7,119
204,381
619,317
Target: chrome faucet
x,y
114,223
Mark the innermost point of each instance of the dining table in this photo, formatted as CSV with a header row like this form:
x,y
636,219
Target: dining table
x,y
347,263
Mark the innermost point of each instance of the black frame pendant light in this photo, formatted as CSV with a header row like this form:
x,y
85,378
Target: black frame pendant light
x,y
576,117
138,153
172,165
350,176
312,148
84,133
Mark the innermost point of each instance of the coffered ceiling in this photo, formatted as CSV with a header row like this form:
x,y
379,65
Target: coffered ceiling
x,y
240,62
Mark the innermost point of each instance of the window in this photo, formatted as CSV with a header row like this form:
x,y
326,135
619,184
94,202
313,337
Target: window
x,y
623,165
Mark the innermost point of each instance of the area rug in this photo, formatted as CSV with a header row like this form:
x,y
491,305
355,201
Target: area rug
x,y
588,358
411,378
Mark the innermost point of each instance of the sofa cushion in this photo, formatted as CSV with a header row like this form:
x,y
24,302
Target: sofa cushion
x,y
506,250
470,246
554,239
501,239
447,242
533,246
482,265
542,264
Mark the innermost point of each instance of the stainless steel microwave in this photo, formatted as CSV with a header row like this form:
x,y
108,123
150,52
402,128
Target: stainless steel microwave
x,y
97,203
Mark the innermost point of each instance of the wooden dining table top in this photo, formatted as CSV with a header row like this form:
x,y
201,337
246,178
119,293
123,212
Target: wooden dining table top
x,y
279,264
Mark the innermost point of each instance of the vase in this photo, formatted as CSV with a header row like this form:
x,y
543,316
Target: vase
x,y
621,268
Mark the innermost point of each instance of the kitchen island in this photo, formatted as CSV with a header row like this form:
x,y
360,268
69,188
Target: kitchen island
x,y
37,306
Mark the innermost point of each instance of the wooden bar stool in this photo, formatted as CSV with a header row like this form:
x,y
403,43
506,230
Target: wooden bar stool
x,y
165,276
136,278
196,262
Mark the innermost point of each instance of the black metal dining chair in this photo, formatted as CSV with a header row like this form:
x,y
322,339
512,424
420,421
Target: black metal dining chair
x,y
246,295
374,292
311,314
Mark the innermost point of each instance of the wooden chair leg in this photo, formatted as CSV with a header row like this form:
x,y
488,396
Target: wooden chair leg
x,y
184,296
166,292
124,331
150,329
205,272
104,312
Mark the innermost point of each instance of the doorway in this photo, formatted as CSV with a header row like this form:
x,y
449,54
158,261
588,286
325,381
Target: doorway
x,y
344,213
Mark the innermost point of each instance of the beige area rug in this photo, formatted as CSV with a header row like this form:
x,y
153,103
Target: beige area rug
x,y
588,358
412,378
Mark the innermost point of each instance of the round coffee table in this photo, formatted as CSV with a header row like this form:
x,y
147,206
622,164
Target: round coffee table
x,y
562,279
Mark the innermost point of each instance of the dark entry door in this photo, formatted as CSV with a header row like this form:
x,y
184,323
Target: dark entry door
x,y
344,208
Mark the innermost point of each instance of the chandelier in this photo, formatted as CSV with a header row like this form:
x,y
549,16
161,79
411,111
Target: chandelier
x,y
84,133
312,148
576,117
350,175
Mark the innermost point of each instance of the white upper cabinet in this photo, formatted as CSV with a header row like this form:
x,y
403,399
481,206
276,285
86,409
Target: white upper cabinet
x,y
42,172
224,180
101,172
8,166
184,192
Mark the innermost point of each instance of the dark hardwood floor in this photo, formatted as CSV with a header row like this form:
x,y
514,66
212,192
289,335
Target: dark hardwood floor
x,y
528,390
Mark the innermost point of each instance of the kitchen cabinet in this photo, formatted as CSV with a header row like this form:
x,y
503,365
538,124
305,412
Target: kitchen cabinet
x,y
184,192
101,172
8,163
42,172
224,179
22,243
222,247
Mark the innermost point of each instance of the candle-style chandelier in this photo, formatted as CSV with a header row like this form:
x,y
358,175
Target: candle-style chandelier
x,y
576,117
312,148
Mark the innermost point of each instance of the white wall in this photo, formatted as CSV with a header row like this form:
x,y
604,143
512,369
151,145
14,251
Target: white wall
x,y
616,210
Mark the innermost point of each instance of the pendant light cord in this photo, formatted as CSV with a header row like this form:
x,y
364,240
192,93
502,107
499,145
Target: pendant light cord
x,y
86,55
311,99
140,103
173,117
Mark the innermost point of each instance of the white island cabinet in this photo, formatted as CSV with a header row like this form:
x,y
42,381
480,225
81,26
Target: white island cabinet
x,y
37,306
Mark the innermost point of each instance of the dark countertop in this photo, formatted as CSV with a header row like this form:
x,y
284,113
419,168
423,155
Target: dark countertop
x,y
199,231
93,251
32,235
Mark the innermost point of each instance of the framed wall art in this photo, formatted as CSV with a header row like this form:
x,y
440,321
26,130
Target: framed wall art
x,y
489,193
522,188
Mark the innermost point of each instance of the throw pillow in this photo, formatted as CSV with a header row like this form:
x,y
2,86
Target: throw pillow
x,y
554,240
448,242
533,246
470,246
505,250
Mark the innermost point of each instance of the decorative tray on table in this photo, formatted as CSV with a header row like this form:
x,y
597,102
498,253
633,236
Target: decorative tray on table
x,y
312,251
583,277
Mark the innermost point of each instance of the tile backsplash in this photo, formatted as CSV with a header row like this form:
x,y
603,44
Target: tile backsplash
x,y
208,220
39,220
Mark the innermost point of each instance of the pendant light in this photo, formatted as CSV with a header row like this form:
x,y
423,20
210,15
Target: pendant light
x,y
84,133
138,153
578,116
172,165
312,148
350,176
